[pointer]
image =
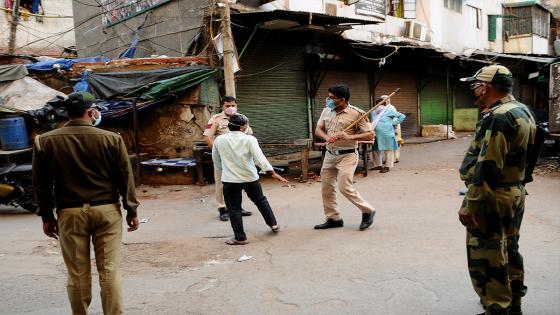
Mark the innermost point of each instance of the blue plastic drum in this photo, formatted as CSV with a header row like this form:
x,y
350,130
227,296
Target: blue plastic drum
x,y
13,135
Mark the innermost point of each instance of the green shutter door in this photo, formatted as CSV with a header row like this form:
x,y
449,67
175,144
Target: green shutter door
x,y
492,27
432,102
271,89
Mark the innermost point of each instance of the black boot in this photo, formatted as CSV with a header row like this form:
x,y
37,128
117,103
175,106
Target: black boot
x,y
515,310
367,220
246,213
329,224
224,215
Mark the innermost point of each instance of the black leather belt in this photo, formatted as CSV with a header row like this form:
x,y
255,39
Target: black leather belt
x,y
338,152
72,204
506,185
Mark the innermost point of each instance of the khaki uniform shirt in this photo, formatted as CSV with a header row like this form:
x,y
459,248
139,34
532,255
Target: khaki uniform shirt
x,y
81,164
334,122
218,125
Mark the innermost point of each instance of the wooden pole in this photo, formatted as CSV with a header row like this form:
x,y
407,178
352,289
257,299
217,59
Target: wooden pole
x,y
137,166
371,110
229,53
13,28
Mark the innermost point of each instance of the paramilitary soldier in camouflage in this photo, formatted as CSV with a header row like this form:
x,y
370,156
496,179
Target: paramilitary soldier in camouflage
x,y
493,170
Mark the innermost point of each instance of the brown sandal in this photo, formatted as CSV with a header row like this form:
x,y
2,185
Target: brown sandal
x,y
233,241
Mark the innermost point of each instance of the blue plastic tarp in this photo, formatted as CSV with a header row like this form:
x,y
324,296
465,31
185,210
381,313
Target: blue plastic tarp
x,y
65,64
83,85
131,50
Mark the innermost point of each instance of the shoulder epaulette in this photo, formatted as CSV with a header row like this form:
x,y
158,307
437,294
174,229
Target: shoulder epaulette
x,y
357,109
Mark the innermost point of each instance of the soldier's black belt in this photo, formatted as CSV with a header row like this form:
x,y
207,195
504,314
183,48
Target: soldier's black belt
x,y
338,152
506,185
81,204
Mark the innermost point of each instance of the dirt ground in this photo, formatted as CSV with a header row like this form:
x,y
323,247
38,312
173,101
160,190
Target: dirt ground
x,y
412,261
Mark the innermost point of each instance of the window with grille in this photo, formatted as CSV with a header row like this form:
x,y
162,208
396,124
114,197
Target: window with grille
x,y
402,8
454,5
526,20
518,21
541,22
475,17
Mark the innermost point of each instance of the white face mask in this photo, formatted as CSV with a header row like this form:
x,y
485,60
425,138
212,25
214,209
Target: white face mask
x,y
97,120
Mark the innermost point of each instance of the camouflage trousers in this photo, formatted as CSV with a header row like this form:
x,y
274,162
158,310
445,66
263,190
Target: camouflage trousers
x,y
495,264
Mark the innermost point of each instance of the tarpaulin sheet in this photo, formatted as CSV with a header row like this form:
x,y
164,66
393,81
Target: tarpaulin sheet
x,y
65,64
119,108
26,94
12,72
174,85
108,85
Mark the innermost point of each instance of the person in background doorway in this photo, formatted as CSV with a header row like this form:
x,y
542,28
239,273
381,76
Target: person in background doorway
x,y
384,119
398,130
218,125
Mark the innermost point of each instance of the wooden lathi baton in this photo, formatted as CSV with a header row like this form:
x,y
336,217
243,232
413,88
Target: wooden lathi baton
x,y
371,110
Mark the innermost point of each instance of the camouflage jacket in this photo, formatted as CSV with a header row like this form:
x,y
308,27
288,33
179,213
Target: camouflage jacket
x,y
497,156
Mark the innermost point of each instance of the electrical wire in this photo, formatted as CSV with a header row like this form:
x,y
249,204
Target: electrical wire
x,y
382,59
89,5
42,49
75,26
41,15
261,72
88,19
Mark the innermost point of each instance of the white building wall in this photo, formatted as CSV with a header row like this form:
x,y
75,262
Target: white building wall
x,y
457,32
540,45
31,30
446,29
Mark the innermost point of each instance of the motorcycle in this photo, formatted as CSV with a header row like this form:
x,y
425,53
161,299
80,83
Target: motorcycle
x,y
16,187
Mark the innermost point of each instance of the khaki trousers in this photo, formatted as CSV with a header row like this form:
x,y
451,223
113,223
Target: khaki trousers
x,y
219,187
103,225
338,170
389,158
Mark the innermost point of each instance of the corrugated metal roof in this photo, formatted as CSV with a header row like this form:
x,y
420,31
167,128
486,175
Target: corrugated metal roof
x,y
533,58
302,17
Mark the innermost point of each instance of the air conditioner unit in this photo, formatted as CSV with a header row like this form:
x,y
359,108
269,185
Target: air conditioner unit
x,y
415,30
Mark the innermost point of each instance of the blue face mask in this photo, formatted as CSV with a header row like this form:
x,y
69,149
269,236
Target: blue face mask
x,y
97,120
330,103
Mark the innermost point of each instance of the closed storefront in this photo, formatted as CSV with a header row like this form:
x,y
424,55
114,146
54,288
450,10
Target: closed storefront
x,y
465,112
271,88
359,90
406,101
434,108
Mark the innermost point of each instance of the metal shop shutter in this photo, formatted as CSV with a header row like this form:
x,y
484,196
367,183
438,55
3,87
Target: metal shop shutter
x,y
359,90
406,101
271,91
433,104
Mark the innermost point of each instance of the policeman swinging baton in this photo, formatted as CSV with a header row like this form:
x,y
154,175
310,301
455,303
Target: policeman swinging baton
x,y
371,110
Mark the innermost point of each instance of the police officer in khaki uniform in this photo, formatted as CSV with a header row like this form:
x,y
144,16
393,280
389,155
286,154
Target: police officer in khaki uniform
x,y
341,157
218,125
86,168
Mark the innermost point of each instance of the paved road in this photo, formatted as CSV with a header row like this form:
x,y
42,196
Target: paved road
x,y
411,262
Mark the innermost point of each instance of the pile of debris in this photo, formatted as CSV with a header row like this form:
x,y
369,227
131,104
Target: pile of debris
x,y
548,168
